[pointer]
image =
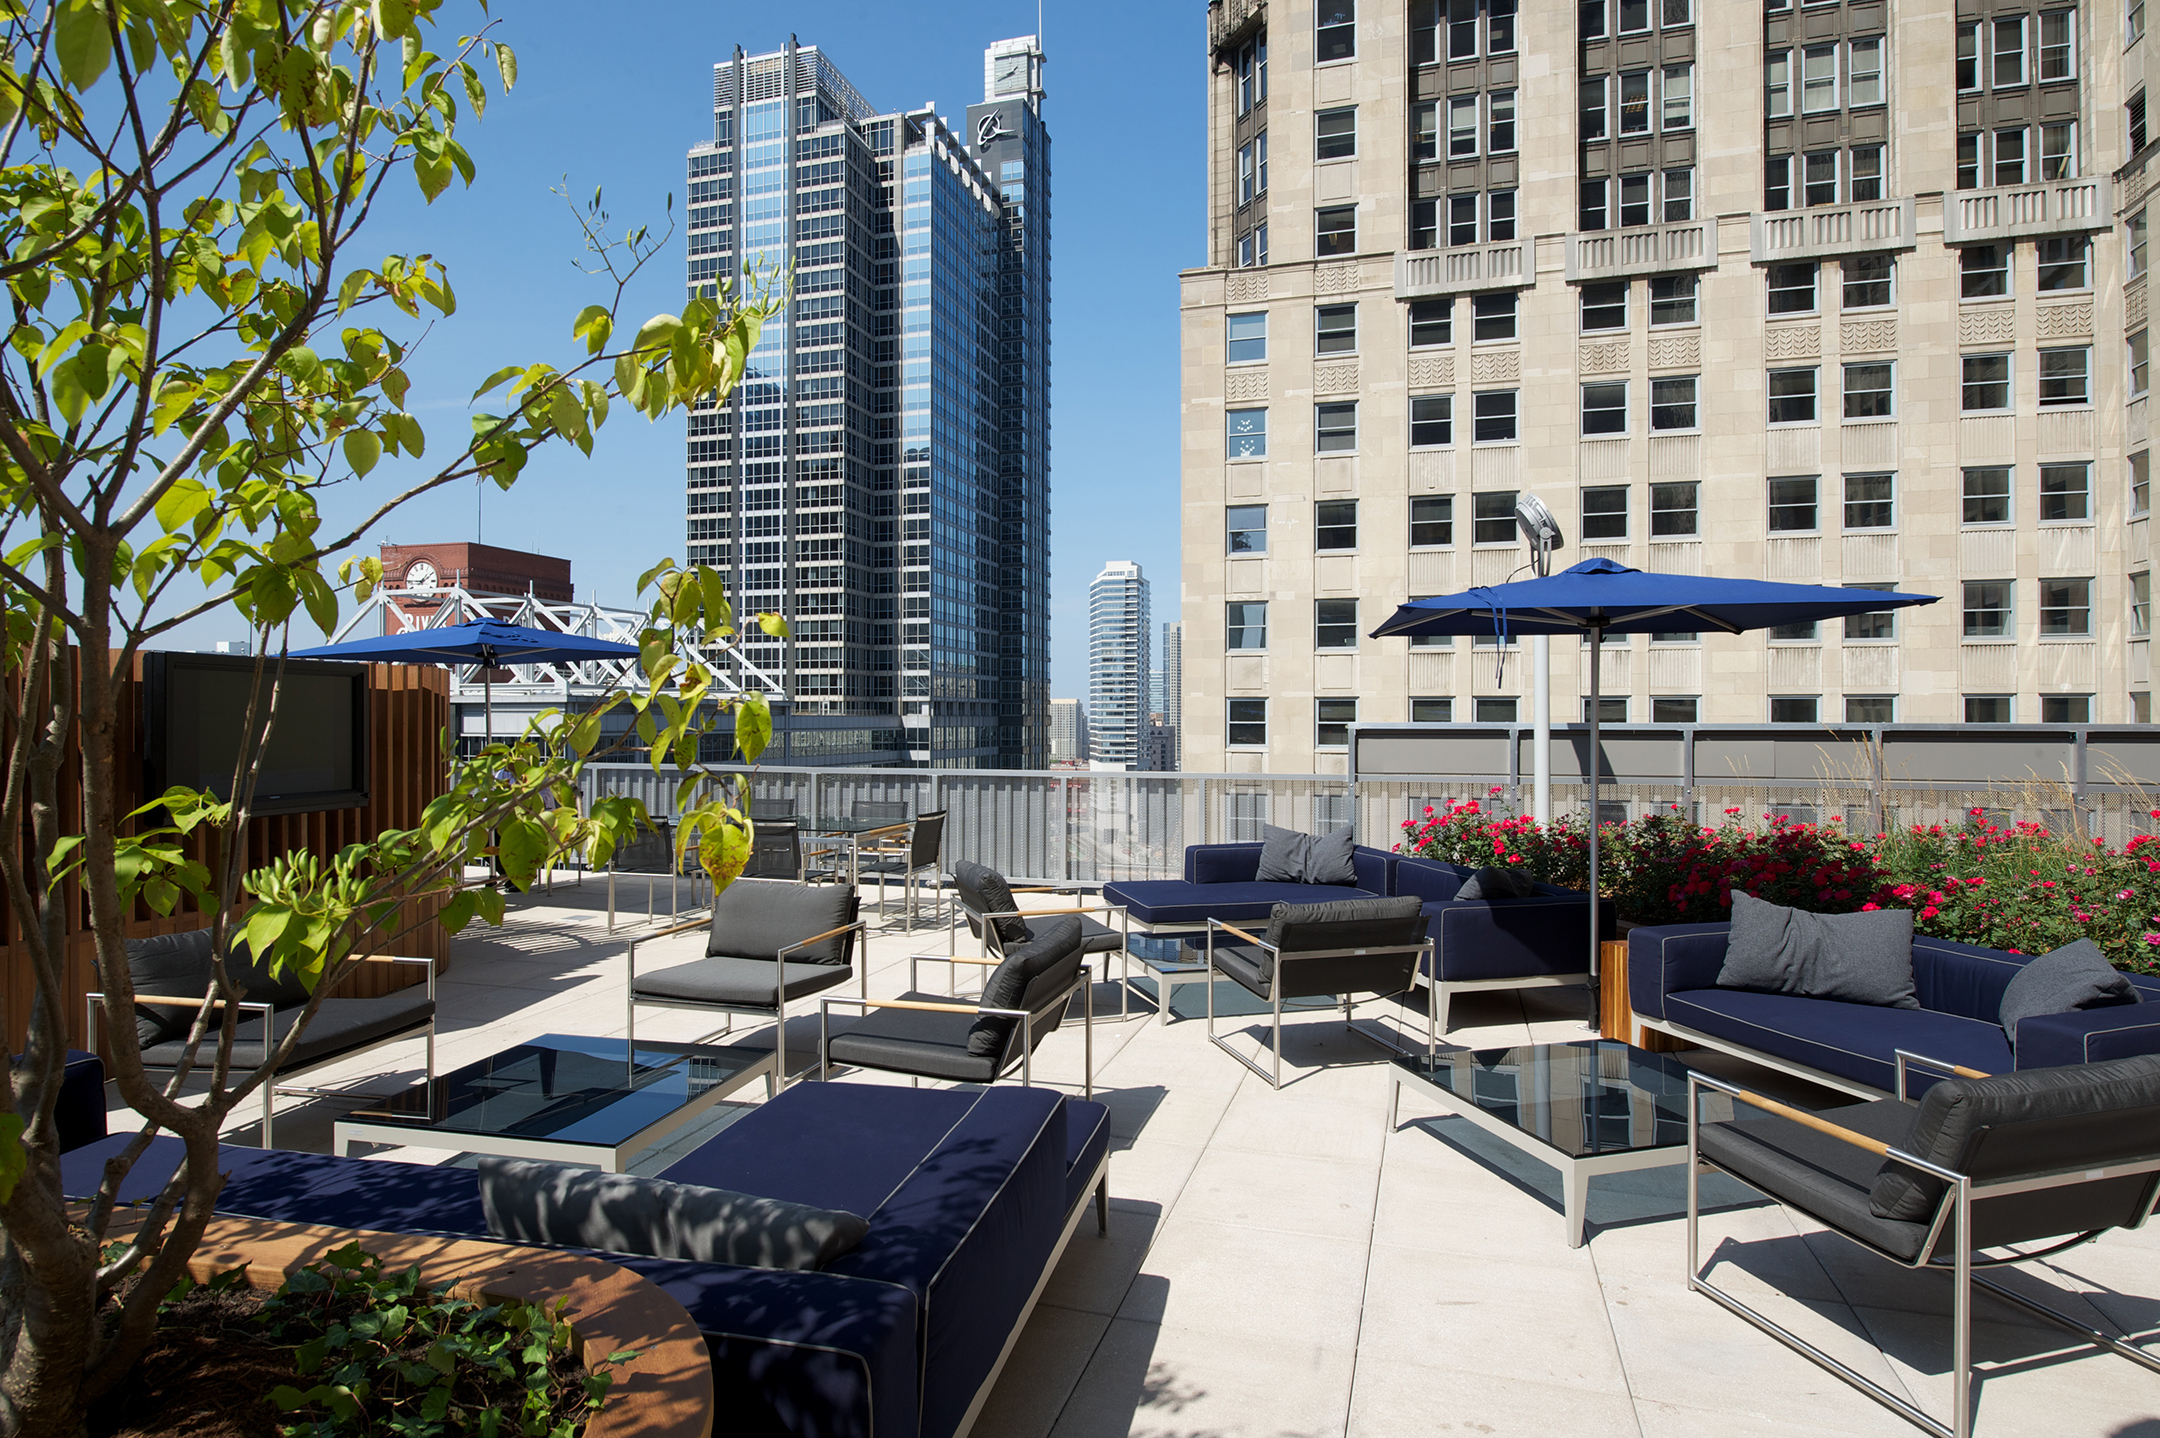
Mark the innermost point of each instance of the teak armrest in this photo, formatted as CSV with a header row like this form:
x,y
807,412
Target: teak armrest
x,y
917,1004
816,938
1807,1120
1234,929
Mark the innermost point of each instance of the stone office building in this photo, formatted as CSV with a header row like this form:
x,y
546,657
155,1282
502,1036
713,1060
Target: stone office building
x,y
1841,293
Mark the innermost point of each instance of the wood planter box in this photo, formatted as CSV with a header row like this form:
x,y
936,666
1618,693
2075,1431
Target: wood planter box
x,y
1616,1016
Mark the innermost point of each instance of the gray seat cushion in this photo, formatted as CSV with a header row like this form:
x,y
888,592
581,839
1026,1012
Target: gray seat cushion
x,y
339,1025
912,1041
1372,924
1098,938
529,1202
1863,958
179,965
2075,976
744,982
756,918
1822,1176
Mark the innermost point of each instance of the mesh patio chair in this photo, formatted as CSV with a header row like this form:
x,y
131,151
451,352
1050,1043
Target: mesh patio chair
x,y
2041,1156
775,852
771,942
907,853
1024,1000
762,809
986,907
1338,949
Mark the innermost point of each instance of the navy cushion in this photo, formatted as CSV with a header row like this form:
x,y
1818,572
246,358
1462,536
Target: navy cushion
x,y
1087,1143
1852,1041
1222,863
1429,879
1172,901
1512,938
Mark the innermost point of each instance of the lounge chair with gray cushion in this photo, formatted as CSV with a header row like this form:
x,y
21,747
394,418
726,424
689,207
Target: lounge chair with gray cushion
x,y
995,918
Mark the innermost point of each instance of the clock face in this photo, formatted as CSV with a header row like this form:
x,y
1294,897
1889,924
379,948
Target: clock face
x,y
1011,76
420,577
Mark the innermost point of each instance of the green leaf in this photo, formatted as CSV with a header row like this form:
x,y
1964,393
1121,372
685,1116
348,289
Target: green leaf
x,y
566,413
186,499
593,325
362,449
506,65
753,729
14,1160
773,625
84,43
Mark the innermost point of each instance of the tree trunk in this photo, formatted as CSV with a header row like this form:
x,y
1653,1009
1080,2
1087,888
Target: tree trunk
x,y
53,1281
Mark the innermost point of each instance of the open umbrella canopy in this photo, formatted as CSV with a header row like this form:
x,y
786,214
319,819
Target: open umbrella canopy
x,y
1603,594
486,641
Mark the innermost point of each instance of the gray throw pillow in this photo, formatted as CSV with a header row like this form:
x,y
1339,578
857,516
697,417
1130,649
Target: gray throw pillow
x,y
621,1213
996,896
1051,956
1285,854
1327,861
2075,976
1863,958
1494,882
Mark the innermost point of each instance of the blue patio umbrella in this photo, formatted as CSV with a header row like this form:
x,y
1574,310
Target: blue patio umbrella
x,y
1599,597
488,643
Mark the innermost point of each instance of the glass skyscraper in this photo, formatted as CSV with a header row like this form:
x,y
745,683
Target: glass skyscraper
x,y
881,476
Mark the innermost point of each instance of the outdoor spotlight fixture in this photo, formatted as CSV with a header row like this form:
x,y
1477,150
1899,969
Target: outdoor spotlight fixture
x,y
1539,528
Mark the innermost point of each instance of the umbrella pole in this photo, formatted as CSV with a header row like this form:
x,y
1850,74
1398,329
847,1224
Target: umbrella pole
x,y
1597,666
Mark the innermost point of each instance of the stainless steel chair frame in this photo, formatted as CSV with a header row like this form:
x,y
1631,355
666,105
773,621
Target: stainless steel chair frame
x,y
899,842
271,1088
1956,1205
1083,983
1424,948
990,943
858,960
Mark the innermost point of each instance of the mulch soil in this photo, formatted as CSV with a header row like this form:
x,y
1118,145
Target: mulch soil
x,y
206,1374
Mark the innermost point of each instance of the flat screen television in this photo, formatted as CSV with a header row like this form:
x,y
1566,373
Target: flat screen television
x,y
195,709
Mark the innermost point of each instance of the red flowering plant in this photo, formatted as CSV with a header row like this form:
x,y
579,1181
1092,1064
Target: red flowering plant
x,y
1817,867
1477,834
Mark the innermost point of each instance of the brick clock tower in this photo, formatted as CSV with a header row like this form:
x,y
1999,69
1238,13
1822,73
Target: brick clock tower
x,y
414,573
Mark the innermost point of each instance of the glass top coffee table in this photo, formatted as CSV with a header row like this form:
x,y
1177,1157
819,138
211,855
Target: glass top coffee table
x,y
560,1097
1597,1106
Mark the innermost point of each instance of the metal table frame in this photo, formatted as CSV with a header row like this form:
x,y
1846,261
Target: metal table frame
x,y
1575,1172
612,1158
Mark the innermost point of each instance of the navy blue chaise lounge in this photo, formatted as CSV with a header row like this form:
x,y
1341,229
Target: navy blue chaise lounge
x,y
971,1197
1222,882
1672,984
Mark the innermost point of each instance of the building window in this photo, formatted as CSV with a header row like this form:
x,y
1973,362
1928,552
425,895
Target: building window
x,y
1635,102
1245,625
1678,187
1432,520
1869,281
1432,420
1795,708
2065,376
1876,623
2065,264
1246,433
1864,165
1332,719
1495,416
1247,727
1792,288
1604,512
1337,37
1792,504
1820,178
1500,123
2134,22
2139,357
1986,382
2066,492
1604,306
1672,402
1251,68
1988,708
1492,517
1335,329
1864,72
1777,85
2134,115
1984,271
1335,428
1634,200
1247,338
1335,134
1610,711
2066,708
1777,182
1672,509
1792,396
1335,230
2008,49
1870,709
1492,317
2141,602
1432,711
2065,607
1818,79
2138,233
1987,495
1335,624
1604,408
2058,150
1590,212
1987,609
1673,709
2141,482
1432,323
1870,391
1493,711
1335,524
1870,501
1592,106
1252,248
1462,127
1672,300
1247,528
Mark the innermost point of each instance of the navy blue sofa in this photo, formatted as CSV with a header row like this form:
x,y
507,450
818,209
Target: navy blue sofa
x,y
971,1197
1672,984
1221,882
1540,940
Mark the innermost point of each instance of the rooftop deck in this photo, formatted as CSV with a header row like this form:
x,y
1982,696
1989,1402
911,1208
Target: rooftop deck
x,y
1281,1264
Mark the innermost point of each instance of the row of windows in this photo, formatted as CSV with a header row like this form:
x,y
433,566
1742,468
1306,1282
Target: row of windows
x,y
1335,424
1673,512
2011,51
1986,385
1626,103
1819,71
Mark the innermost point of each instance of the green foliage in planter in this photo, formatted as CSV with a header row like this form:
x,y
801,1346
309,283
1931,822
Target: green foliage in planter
x,y
391,1355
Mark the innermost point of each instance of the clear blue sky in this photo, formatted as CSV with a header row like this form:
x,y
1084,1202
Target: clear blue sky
x,y
613,95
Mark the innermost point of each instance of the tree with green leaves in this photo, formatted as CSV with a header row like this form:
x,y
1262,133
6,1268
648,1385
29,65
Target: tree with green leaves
x,y
197,349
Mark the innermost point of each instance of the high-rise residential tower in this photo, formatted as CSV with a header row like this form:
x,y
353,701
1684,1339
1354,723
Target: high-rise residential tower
x,y
1068,731
887,450
1117,665
1172,703
1849,293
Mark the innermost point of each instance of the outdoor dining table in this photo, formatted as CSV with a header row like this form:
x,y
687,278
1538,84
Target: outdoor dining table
x,y
852,832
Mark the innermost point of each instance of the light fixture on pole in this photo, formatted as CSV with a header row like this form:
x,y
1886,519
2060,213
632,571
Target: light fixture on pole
x,y
1543,532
